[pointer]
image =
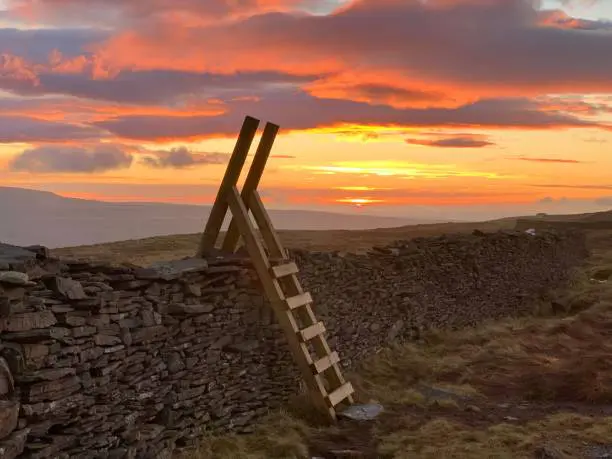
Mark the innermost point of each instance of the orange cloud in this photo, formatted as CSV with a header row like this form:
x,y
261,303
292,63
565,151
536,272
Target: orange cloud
x,y
436,56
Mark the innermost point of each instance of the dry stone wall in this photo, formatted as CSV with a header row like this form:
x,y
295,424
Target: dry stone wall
x,y
100,361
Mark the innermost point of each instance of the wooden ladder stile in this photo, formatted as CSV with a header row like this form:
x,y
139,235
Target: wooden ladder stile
x,y
292,306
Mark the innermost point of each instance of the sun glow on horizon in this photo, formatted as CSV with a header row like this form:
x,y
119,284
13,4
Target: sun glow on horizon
x,y
402,170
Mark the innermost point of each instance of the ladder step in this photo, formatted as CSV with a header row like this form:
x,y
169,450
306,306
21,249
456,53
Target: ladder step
x,y
279,261
341,393
297,301
314,330
284,270
326,362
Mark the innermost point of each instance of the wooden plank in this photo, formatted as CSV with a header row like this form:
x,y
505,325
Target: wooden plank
x,y
252,180
341,393
270,236
298,301
230,179
325,363
314,330
275,295
292,287
254,247
285,270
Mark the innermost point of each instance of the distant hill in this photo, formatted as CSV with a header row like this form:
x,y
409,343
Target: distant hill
x,y
40,217
590,221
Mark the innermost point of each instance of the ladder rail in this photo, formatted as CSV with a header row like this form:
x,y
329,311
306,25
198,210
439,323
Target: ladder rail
x,y
290,304
252,181
272,289
230,179
292,287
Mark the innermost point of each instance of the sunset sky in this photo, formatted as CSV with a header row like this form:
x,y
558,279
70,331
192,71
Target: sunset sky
x,y
454,108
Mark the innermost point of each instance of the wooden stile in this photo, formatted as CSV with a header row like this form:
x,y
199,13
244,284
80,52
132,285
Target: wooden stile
x,y
292,306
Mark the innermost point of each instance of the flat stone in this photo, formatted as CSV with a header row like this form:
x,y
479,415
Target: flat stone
x,y
146,334
61,308
193,290
365,412
222,342
36,272
190,309
9,417
73,320
50,374
148,319
188,265
106,340
35,351
15,278
15,293
52,390
28,321
13,446
67,288
80,332
175,363
242,347
36,336
7,384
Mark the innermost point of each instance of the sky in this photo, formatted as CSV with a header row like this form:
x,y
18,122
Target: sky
x,y
425,108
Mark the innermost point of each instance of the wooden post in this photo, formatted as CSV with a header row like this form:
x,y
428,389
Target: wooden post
x,y
230,179
252,181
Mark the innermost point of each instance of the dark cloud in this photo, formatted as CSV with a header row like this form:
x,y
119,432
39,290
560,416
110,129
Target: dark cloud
x,y
377,93
37,44
551,200
570,186
123,12
296,110
68,158
464,141
162,87
548,160
181,157
134,87
23,129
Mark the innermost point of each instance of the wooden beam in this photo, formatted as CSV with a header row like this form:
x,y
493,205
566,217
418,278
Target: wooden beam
x,y
270,236
273,291
230,179
252,181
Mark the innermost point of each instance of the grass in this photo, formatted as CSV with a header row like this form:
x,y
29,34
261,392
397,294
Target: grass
x,y
149,250
537,386
278,436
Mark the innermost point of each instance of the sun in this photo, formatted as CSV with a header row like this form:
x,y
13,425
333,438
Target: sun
x,y
359,202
